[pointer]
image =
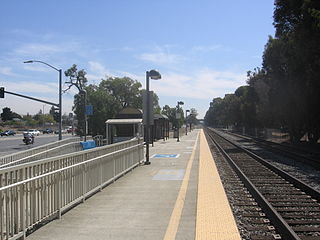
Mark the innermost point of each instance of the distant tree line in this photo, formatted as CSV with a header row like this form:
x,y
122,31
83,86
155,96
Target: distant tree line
x,y
285,91
10,118
171,112
107,98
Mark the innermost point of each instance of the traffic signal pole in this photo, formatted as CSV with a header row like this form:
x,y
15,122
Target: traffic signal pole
x,y
32,98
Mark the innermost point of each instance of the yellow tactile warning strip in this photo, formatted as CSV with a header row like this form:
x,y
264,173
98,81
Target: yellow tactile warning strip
x,y
177,211
215,220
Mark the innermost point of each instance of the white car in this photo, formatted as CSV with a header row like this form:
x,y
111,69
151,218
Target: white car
x,y
33,132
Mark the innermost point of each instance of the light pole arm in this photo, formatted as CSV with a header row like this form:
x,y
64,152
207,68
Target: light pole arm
x,y
31,61
60,92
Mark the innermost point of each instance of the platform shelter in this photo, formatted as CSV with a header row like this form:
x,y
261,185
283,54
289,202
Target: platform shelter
x,y
128,124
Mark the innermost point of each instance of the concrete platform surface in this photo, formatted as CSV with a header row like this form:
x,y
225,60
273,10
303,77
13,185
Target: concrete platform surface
x,y
140,204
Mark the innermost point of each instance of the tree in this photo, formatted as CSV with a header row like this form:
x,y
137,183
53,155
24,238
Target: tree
x,y
29,120
78,79
6,114
292,63
125,91
171,114
247,106
108,98
192,117
214,114
54,112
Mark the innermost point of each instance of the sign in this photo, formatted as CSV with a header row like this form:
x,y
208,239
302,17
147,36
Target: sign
x,y
89,110
144,95
165,156
178,115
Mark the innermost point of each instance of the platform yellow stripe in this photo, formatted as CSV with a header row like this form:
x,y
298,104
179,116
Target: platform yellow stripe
x,y
215,220
177,211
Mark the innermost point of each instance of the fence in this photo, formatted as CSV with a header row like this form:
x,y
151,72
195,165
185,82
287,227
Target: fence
x,y
16,156
14,174
29,202
56,151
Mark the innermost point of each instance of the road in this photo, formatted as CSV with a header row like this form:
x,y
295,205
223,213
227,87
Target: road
x,y
12,144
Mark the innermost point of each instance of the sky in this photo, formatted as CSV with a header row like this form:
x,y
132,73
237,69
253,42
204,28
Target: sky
x,y
203,49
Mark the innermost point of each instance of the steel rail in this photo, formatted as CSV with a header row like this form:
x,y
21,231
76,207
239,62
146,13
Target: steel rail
x,y
277,147
283,228
298,183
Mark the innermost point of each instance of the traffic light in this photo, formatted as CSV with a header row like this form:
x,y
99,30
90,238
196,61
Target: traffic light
x,y
1,92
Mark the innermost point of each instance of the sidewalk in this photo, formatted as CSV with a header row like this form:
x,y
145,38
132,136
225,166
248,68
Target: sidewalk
x,y
143,204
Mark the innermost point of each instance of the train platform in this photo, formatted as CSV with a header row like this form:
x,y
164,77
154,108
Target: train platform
x,y
178,196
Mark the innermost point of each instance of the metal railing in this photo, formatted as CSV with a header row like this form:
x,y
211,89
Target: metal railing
x,y
32,169
16,156
29,202
52,152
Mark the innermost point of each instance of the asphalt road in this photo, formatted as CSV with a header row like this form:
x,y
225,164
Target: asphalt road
x,y
12,144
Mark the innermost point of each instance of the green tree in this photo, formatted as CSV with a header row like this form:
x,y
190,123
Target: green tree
x,y
291,61
247,99
78,79
171,114
54,112
6,114
192,117
125,91
29,120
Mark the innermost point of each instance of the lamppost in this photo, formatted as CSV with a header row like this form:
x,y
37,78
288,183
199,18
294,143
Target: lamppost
x,y
187,121
85,128
60,91
178,118
155,75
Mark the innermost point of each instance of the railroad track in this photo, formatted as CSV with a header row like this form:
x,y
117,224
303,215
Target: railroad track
x,y
291,206
298,154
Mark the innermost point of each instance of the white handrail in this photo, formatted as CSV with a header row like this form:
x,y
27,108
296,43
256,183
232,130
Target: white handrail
x,y
16,156
30,201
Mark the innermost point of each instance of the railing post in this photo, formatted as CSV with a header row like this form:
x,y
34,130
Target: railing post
x,y
58,194
114,168
7,213
2,214
84,183
23,210
101,172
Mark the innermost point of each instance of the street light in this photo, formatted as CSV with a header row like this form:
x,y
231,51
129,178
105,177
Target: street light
x,y
60,91
186,121
178,117
155,75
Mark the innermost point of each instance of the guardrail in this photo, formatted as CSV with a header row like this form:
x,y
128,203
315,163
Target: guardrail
x,y
31,201
16,156
52,152
27,170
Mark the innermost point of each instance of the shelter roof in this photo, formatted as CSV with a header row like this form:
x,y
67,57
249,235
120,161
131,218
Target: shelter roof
x,y
124,121
159,116
130,110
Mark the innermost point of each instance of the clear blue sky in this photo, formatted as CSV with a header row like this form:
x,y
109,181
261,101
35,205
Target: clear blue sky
x,y
203,49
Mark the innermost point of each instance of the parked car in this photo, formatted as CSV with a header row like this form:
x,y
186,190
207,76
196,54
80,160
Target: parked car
x,y
48,130
8,133
33,132
62,131
69,130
